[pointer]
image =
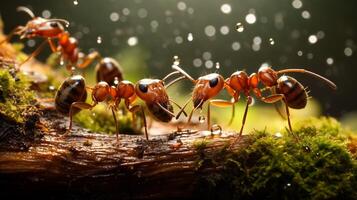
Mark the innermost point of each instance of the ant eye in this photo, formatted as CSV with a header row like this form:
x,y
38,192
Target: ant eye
x,y
213,82
143,87
54,24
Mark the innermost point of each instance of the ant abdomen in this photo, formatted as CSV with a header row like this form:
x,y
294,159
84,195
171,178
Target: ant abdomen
x,y
109,70
294,92
73,89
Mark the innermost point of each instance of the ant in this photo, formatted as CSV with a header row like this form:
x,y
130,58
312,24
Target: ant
x,y
51,29
71,95
205,88
284,88
109,70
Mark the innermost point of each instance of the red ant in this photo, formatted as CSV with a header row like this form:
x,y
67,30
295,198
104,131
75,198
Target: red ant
x,y
51,29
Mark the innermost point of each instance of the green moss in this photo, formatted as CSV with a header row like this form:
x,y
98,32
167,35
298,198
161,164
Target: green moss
x,y
100,119
319,166
16,101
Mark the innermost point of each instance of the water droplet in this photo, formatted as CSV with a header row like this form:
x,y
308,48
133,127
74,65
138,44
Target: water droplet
x,y
46,14
209,64
235,46
257,40
126,11
305,14
329,61
181,6
312,39
206,55
278,135
197,62
51,88
255,47
300,53
99,40
226,8
348,51
297,4
250,18
320,34
176,61
218,65
75,2
307,149
142,13
210,30
31,43
61,61
189,37
271,41
288,184
178,39
224,30
114,16
201,119
239,27
216,129
310,56
116,81
132,41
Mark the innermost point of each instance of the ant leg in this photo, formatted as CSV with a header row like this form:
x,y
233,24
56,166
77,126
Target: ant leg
x,y
16,31
52,45
183,108
218,103
35,53
193,110
80,105
116,125
87,60
249,101
178,106
136,108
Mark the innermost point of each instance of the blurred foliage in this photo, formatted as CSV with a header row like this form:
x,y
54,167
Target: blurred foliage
x,y
319,166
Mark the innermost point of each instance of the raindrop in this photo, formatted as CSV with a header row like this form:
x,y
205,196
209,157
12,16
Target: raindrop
x,y
114,16
197,62
142,13
178,39
46,14
132,41
257,40
329,61
210,30
226,8
176,60
256,47
299,53
31,43
310,56
320,34
312,39
235,46
224,30
52,88
201,119
271,41
239,27
216,129
181,6
250,18
206,55
154,24
278,135
348,51
61,61
75,2
126,11
288,184
209,64
99,40
305,14
218,65
189,37
190,11
297,4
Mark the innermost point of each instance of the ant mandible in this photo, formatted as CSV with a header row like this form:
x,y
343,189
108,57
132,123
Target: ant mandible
x,y
284,88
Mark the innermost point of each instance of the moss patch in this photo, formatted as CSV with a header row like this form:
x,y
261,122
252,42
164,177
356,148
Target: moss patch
x,y
16,100
319,166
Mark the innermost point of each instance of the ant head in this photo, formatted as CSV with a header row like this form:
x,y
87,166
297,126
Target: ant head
x,y
238,81
207,87
44,27
101,92
267,76
125,89
151,90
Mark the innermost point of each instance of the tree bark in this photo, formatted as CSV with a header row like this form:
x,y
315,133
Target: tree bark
x,y
92,165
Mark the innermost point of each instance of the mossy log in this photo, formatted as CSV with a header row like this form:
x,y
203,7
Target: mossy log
x,y
85,163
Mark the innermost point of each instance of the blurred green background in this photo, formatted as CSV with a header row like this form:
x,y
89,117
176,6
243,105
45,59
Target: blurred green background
x,y
143,36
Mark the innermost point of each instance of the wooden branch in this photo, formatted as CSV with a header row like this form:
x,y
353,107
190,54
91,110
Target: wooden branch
x,y
96,166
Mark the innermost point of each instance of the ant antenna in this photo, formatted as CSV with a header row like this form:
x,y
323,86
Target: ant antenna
x,y
26,10
329,83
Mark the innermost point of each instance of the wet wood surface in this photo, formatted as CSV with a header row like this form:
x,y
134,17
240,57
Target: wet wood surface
x,y
86,164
